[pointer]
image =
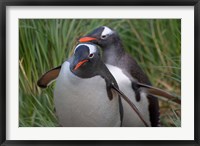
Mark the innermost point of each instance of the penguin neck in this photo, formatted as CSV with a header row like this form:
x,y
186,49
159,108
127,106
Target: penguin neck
x,y
113,53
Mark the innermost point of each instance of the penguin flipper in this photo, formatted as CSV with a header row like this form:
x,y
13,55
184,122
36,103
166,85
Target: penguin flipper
x,y
121,94
136,89
158,92
48,77
109,91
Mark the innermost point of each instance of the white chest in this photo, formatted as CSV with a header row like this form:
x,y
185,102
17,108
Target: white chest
x,y
84,102
131,119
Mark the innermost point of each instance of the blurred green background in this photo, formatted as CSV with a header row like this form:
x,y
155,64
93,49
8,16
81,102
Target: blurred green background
x,y
46,43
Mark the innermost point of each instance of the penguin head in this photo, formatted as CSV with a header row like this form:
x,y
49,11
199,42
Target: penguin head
x,y
85,60
102,36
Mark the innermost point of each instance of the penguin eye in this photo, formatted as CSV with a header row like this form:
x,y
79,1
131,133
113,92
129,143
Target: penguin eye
x,y
104,36
91,55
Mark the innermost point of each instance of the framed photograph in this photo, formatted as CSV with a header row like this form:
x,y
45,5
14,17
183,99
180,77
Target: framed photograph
x,y
141,55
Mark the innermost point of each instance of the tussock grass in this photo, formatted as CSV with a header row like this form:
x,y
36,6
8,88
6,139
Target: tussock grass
x,y
46,43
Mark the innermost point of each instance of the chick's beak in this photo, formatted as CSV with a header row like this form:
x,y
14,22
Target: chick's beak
x,y
86,39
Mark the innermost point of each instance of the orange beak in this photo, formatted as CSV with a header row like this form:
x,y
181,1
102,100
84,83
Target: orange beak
x,y
79,64
86,39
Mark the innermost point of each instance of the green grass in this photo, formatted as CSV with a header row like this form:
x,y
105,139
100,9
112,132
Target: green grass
x,y
46,43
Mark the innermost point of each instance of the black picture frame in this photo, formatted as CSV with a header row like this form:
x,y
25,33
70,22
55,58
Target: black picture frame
x,y
5,3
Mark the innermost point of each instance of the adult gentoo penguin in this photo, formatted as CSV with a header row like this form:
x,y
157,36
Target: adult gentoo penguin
x,y
115,55
85,92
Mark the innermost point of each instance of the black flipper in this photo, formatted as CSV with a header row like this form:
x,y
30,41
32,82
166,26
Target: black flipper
x,y
109,92
159,92
136,89
121,111
48,77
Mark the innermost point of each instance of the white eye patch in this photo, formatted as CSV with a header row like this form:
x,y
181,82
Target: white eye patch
x,y
92,48
106,31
